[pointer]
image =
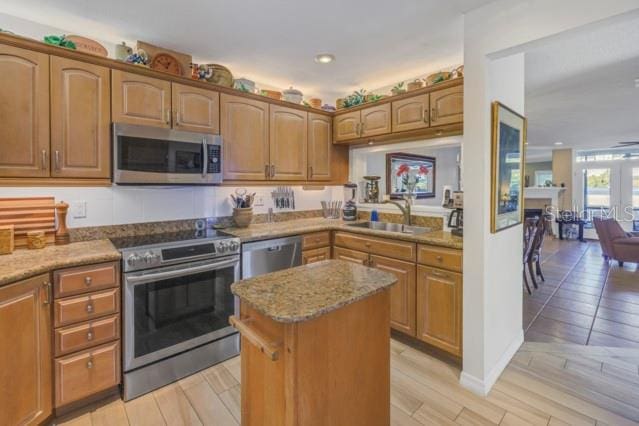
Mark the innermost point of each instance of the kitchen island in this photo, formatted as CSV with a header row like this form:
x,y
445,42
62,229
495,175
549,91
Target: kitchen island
x,y
316,345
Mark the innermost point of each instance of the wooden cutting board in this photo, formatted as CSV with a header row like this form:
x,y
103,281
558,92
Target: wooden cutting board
x,y
29,214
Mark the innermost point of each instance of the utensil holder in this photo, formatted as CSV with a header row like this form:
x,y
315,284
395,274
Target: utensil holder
x,y
243,216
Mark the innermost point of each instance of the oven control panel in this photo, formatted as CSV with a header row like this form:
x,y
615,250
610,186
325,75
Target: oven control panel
x,y
168,254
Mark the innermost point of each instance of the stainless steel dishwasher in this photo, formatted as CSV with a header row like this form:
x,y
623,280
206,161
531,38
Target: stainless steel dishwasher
x,y
262,257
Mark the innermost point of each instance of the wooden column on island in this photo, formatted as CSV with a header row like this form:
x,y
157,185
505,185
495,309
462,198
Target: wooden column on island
x,y
316,346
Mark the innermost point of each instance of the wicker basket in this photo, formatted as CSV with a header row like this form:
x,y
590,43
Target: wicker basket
x,y
243,216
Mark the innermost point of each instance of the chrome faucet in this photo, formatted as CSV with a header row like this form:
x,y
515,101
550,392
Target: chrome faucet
x,y
405,209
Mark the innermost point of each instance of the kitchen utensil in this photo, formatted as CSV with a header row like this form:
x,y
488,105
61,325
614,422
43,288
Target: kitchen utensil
x,y
28,214
36,240
6,239
244,85
243,216
62,236
372,189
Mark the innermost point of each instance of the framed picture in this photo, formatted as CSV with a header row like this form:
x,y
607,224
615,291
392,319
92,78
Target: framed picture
x,y
508,140
410,173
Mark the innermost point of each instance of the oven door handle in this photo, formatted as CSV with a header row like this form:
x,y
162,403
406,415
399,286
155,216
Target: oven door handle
x,y
145,278
205,157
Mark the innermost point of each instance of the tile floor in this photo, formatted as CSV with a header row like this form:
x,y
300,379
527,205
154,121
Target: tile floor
x,y
584,300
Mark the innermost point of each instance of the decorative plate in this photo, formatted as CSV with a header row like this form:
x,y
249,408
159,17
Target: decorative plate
x,y
166,63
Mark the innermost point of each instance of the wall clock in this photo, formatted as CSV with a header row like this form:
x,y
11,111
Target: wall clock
x,y
166,63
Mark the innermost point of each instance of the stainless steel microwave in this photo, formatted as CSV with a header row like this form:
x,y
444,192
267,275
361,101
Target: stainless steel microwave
x,y
147,155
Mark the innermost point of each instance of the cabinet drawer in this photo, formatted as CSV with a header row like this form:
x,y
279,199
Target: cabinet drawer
x,y
86,307
315,240
316,255
440,257
350,255
85,279
83,374
390,248
76,337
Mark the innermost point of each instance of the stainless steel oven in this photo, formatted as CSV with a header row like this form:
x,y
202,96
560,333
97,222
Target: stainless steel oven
x,y
153,155
177,302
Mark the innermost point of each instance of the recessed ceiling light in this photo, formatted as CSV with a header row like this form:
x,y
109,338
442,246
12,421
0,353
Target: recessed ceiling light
x,y
324,58
559,143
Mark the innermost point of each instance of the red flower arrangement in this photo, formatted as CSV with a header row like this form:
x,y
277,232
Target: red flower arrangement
x,y
404,168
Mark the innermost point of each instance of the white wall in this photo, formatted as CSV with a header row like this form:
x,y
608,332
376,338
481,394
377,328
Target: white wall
x,y
492,272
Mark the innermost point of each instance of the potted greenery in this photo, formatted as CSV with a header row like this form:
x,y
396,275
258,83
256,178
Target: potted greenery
x,y
398,89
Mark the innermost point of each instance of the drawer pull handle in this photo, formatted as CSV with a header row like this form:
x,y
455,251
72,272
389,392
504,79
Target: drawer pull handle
x,y
367,244
439,258
90,335
90,363
440,274
89,308
88,280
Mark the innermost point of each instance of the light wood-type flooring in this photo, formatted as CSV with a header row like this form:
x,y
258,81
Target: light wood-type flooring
x,y
545,384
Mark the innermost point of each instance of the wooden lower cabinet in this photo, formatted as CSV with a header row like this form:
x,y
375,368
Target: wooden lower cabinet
x,y
25,357
316,255
402,297
86,373
439,308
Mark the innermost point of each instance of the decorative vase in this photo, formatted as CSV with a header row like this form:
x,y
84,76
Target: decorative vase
x,y
243,216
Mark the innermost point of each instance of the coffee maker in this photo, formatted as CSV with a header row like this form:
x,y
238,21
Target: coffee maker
x,y
456,217
349,212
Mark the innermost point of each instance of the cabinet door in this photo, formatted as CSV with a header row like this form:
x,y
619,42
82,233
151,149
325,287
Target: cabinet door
x,y
411,113
354,256
447,106
140,100
439,308
24,112
316,255
347,126
402,294
195,109
80,120
320,147
288,140
376,120
25,336
244,125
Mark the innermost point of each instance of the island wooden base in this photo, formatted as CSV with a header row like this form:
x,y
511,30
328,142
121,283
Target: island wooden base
x,y
331,370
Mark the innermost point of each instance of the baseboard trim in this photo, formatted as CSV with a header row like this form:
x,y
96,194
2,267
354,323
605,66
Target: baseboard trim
x,y
482,387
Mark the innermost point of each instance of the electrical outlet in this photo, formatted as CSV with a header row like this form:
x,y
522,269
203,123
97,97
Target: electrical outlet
x,y
79,209
259,200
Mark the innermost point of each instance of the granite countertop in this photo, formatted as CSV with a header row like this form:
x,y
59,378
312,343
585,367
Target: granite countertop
x,y
24,263
264,231
306,292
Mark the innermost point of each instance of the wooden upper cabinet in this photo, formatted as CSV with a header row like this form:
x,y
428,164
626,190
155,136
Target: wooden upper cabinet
x,y
411,113
137,99
25,336
439,308
376,120
80,120
347,126
402,293
245,134
447,106
320,147
195,109
288,140
24,112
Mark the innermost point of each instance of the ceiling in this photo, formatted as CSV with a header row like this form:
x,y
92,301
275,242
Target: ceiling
x,y
580,88
376,42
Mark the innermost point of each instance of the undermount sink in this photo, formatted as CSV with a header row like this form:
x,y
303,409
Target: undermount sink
x,y
392,227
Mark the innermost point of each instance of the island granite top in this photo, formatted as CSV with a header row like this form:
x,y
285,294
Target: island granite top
x,y
306,292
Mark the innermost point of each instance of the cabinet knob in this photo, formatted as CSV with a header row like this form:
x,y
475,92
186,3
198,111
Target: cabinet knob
x,y
367,244
90,335
439,258
88,280
90,363
89,308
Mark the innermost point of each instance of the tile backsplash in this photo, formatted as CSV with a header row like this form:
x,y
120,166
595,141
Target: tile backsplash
x,y
102,206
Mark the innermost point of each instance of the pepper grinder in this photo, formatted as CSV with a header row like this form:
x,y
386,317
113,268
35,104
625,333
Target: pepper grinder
x,y
62,233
